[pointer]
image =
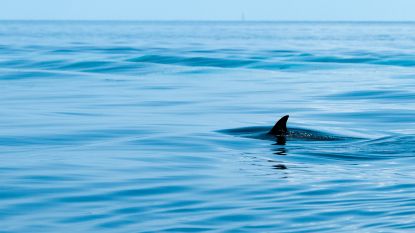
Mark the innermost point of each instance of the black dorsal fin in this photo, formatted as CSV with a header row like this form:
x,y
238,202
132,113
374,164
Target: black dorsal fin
x,y
280,128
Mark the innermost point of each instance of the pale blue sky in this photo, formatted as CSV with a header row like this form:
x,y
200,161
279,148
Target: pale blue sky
x,y
384,10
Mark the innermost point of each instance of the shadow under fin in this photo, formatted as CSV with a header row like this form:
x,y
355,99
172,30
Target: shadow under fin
x,y
280,128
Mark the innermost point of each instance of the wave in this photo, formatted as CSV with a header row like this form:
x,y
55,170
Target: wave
x,y
384,94
129,60
193,61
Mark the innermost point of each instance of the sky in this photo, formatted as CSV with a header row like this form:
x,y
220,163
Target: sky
x,y
297,10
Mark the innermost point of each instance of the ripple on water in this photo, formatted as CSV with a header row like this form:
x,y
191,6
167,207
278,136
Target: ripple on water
x,y
116,126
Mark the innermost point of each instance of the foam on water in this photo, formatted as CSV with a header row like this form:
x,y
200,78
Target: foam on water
x,y
118,126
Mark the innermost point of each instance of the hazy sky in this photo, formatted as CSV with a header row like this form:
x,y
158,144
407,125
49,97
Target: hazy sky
x,y
209,9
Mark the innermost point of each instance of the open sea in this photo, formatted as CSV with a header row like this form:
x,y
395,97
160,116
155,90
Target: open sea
x,y
127,126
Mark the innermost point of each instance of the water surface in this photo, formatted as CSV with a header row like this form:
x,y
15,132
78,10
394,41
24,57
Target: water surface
x,y
118,126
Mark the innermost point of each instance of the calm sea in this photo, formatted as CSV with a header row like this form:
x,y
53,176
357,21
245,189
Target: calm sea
x,y
118,126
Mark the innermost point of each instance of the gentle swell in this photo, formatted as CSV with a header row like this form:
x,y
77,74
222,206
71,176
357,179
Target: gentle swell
x,y
193,61
111,126
278,60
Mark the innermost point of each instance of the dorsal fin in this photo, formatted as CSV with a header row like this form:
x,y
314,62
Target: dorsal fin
x,y
280,128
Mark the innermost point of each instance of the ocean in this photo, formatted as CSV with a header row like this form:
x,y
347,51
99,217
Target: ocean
x,y
120,126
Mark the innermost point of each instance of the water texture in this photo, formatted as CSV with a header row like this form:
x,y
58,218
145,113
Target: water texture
x,y
120,126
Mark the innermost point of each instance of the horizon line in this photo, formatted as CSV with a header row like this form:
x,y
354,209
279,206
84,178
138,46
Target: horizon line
x,y
220,20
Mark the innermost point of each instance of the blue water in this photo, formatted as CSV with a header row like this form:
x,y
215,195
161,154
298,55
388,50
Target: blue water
x,y
119,126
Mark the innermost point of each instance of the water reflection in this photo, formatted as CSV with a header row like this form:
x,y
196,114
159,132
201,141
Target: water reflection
x,y
279,166
280,150
281,140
